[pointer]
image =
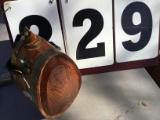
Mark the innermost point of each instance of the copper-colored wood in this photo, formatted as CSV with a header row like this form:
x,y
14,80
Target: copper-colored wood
x,y
52,79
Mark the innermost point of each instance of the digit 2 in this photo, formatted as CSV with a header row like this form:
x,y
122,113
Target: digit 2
x,y
45,29
145,27
97,24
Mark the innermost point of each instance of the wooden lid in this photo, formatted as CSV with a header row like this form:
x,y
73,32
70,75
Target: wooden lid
x,y
59,84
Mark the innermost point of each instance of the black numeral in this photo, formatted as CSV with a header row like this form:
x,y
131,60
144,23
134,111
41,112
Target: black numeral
x,y
45,29
96,27
145,27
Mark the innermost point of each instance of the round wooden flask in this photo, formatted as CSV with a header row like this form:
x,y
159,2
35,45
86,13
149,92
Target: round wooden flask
x,y
44,74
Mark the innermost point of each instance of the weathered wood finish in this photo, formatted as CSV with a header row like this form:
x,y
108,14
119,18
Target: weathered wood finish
x,y
53,77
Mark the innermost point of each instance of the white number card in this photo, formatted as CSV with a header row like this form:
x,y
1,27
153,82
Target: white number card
x,y
88,32
99,35
137,29
39,15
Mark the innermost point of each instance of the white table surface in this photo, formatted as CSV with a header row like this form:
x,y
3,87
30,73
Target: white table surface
x,y
122,95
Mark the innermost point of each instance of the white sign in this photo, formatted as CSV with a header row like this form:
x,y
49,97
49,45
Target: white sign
x,y
88,32
96,34
136,29
41,16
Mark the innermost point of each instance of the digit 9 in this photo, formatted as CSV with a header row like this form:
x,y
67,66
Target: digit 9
x,y
144,28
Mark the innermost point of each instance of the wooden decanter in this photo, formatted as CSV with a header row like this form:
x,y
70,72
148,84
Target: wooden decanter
x,y
46,75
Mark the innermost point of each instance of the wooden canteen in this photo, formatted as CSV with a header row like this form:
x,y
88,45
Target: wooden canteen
x,y
44,74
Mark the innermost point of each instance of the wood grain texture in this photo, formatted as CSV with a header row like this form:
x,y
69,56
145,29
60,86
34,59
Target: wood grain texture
x,y
54,78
